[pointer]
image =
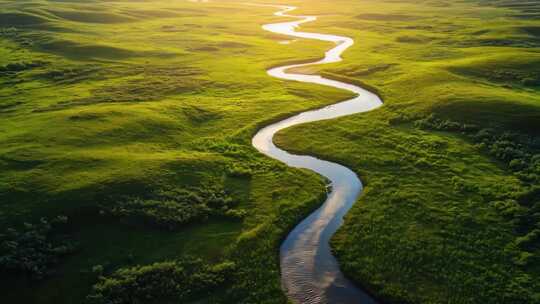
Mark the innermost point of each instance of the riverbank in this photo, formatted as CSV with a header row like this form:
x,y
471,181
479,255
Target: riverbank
x,y
310,274
447,215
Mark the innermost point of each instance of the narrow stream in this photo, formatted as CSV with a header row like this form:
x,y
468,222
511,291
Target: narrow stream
x,y
309,271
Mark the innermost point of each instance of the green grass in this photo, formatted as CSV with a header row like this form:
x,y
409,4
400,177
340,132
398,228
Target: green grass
x,y
130,99
429,227
103,100
111,244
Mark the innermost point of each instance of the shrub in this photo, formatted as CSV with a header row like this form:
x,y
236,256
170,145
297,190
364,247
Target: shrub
x,y
236,213
98,270
33,249
173,209
20,66
432,122
166,282
519,152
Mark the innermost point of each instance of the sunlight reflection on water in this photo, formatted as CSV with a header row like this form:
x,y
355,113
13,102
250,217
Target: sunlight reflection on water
x,y
310,273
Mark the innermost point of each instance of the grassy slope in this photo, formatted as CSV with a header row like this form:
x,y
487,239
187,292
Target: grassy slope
x,y
137,97
129,98
426,229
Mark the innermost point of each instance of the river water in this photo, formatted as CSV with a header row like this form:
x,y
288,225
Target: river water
x,y
309,271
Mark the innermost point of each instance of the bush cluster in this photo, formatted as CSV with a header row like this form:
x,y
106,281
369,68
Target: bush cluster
x,y
9,32
20,66
523,77
165,282
173,209
432,122
520,154
33,249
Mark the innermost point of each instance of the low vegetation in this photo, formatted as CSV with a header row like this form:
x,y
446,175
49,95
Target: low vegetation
x,y
34,249
142,139
449,212
165,282
173,209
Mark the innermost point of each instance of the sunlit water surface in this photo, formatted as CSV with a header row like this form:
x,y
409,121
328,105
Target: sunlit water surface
x,y
310,273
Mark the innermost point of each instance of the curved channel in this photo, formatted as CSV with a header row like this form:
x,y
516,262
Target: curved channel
x,y
309,271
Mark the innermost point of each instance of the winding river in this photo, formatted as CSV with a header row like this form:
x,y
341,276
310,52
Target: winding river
x,y
309,271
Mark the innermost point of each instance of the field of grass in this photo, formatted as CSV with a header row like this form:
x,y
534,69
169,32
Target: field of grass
x,y
450,163
134,118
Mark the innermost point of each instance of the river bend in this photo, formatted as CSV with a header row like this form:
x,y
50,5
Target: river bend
x,y
310,273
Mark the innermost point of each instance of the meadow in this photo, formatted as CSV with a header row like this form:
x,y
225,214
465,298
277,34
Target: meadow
x,y
450,209
126,158
131,121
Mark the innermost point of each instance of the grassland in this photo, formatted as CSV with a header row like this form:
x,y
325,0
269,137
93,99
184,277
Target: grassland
x,y
447,216
134,119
